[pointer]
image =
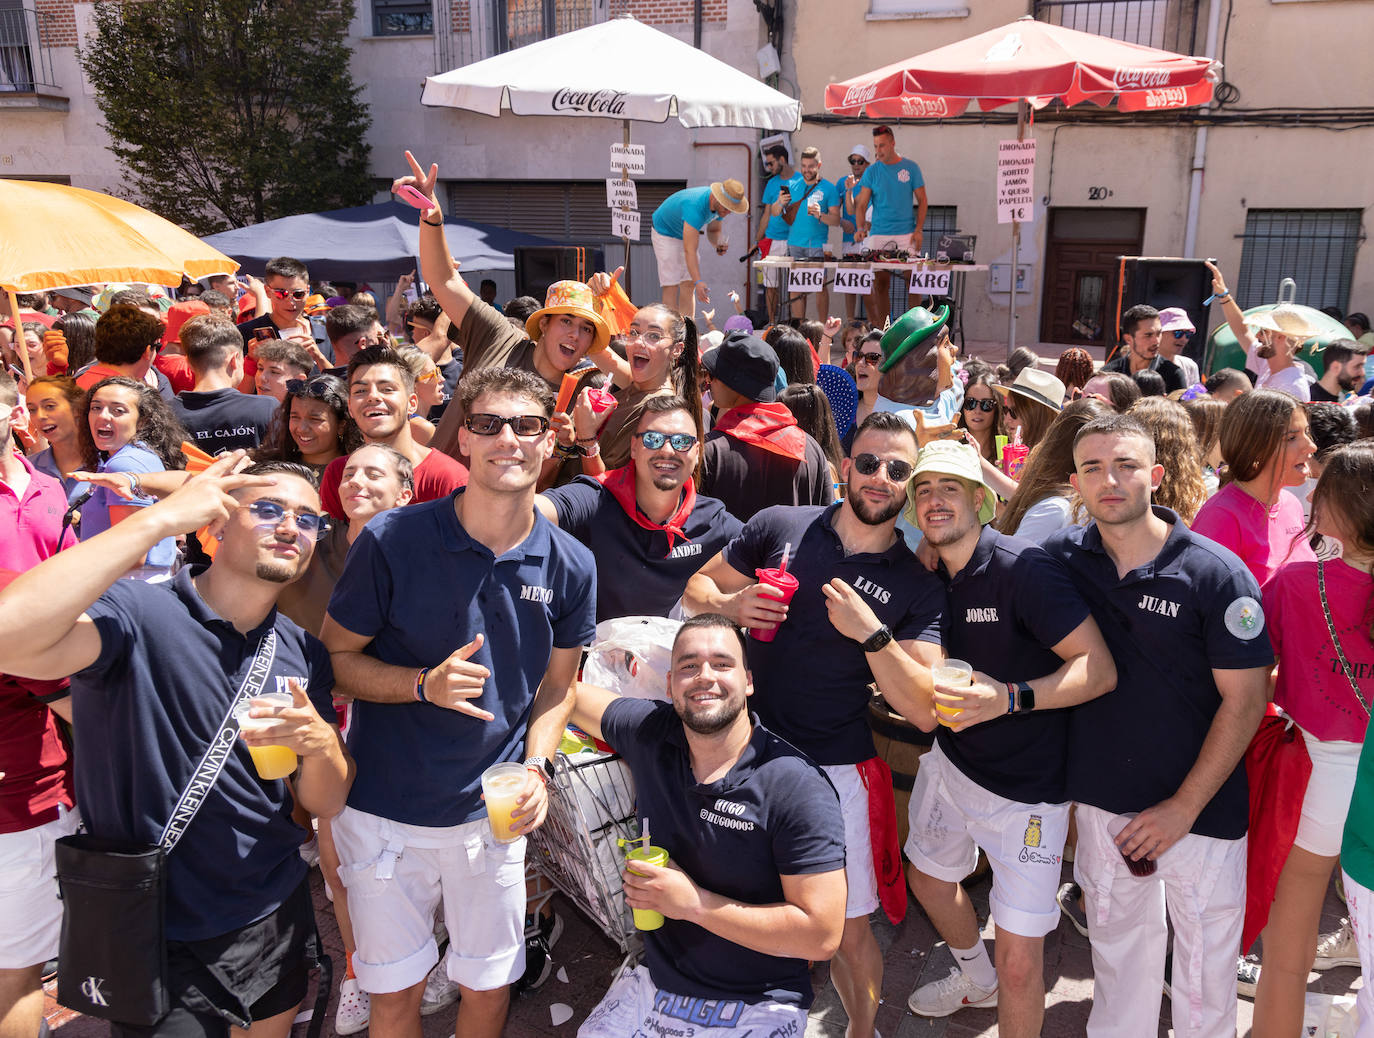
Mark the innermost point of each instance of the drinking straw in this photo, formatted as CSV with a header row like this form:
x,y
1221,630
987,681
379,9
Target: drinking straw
x,y
644,835
786,553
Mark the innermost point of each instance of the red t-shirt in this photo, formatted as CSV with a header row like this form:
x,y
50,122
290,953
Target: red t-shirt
x,y
178,371
435,477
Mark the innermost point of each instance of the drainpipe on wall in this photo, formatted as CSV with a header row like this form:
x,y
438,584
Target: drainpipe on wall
x,y
697,16
1200,143
747,294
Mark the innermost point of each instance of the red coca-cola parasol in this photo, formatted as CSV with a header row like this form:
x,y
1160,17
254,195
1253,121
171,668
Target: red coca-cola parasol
x,y
1030,64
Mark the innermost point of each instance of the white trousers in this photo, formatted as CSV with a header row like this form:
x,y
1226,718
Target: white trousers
x,y
1200,883
1360,901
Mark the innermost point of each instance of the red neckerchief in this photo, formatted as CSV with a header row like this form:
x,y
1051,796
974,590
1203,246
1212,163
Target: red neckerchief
x,y
621,484
770,426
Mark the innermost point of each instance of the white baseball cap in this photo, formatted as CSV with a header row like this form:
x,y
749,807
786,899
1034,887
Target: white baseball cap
x,y
861,151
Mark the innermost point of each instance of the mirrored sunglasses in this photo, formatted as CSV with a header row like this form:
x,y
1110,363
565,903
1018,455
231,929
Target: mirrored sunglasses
x,y
270,515
680,442
981,405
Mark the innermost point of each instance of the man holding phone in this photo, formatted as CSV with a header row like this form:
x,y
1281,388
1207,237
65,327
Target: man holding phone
x,y
287,282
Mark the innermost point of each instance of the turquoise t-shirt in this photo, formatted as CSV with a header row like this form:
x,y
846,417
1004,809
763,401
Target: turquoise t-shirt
x,y
807,232
894,187
778,228
845,212
689,207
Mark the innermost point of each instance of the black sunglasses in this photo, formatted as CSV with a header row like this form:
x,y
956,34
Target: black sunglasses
x,y
982,405
520,424
858,162
680,442
314,389
1185,334
898,471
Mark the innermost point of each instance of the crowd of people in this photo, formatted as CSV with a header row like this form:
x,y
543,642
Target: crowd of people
x,y
409,519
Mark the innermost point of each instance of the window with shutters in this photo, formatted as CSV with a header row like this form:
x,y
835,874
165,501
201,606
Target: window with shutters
x,y
1314,247
572,211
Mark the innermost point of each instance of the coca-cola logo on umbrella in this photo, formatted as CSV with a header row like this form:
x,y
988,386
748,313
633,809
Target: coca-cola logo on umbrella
x,y
1140,78
598,102
925,107
859,93
1172,97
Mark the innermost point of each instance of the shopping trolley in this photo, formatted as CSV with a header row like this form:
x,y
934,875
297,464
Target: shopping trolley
x,y
578,849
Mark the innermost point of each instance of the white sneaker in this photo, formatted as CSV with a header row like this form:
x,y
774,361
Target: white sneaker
x,y
355,1008
948,996
1337,949
439,990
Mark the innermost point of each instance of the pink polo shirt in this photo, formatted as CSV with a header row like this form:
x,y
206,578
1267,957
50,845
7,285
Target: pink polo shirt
x,y
1265,539
29,527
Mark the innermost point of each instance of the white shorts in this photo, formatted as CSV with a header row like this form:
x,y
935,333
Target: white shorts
x,y
397,875
952,816
884,242
30,911
1359,901
634,1006
671,254
772,275
1327,799
859,875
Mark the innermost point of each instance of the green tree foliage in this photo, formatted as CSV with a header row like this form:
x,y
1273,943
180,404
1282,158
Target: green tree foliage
x,y
230,112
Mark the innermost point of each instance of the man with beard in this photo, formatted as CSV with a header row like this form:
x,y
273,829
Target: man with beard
x,y
1343,372
1155,764
552,341
995,777
645,523
161,665
381,399
865,611
1139,351
754,885
448,683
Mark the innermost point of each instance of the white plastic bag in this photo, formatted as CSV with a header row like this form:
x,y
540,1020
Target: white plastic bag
x,y
1329,1016
632,656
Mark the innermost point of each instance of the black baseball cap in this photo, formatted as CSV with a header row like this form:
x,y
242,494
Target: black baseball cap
x,y
746,364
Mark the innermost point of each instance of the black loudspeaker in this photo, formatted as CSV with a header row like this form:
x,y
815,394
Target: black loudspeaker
x,y
1165,282
539,266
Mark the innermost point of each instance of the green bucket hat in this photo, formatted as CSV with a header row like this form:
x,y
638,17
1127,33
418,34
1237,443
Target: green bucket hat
x,y
951,459
909,331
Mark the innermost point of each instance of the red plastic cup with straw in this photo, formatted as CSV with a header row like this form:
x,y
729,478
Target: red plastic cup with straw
x,y
783,584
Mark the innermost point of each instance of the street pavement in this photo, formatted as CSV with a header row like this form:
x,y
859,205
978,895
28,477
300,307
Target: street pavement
x,y
585,960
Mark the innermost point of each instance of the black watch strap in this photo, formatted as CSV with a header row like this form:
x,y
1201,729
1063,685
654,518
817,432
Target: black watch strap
x,y
1025,698
878,639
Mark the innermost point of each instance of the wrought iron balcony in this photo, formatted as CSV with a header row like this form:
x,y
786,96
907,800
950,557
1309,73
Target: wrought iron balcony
x,y
1166,24
25,57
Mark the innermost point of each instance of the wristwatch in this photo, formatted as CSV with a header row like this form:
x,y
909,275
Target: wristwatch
x,y
1024,696
541,764
878,639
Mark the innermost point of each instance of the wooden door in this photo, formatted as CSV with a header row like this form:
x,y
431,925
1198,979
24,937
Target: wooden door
x,y
1082,271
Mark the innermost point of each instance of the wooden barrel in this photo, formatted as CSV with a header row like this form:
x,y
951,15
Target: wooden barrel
x,y
901,744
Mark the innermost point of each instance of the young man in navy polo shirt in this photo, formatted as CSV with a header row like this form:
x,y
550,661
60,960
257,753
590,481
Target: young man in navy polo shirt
x,y
865,611
995,776
755,882
645,523
160,665
457,625
1182,617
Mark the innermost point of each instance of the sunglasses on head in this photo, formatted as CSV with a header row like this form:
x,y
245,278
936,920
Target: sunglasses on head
x,y
294,293
898,471
315,388
869,358
680,442
520,424
271,515
981,405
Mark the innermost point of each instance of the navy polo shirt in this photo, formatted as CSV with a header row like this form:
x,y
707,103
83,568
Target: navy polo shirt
x,y
1169,623
811,682
1006,608
421,588
144,713
773,814
637,574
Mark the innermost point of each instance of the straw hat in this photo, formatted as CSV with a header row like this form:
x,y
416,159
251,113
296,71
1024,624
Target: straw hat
x,y
1037,385
571,297
951,459
1284,319
730,193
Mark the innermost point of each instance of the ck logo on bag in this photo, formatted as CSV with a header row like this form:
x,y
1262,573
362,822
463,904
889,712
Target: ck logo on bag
x,y
90,987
